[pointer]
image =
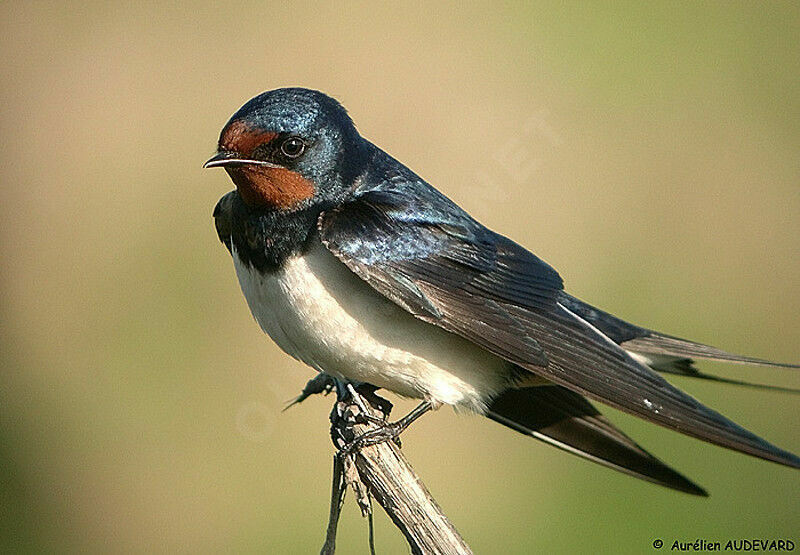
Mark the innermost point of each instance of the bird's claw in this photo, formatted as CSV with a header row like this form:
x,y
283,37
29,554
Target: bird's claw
x,y
387,431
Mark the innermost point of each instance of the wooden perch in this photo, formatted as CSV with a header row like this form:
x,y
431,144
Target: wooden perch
x,y
381,471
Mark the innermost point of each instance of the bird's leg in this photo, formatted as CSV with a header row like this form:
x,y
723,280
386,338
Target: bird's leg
x,y
364,394
361,405
387,430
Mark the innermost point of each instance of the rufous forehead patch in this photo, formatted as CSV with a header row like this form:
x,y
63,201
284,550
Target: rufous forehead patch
x,y
242,138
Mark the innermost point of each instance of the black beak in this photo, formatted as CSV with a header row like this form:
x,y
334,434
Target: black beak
x,y
220,159
225,158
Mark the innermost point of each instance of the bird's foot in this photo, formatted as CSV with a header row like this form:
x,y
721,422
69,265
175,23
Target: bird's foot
x,y
385,431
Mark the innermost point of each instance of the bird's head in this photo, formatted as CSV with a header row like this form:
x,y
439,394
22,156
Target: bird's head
x,y
290,148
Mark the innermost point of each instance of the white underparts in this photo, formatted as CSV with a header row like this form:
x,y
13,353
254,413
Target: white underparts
x,y
319,312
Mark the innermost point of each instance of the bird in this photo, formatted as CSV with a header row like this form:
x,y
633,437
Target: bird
x,y
359,268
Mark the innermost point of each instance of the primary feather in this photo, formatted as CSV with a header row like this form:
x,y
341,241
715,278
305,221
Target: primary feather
x,y
359,268
451,271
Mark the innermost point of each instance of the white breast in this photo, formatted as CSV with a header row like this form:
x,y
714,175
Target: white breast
x,y
319,312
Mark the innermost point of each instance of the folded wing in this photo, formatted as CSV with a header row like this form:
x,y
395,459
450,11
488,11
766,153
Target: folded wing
x,y
421,251
566,420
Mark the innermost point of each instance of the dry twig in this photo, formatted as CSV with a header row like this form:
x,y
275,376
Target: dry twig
x,y
381,471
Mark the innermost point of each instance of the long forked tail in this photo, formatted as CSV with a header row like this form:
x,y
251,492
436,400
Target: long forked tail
x,y
662,344
673,355
566,420
666,353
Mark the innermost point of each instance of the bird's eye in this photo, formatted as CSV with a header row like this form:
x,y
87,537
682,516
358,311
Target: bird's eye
x,y
293,147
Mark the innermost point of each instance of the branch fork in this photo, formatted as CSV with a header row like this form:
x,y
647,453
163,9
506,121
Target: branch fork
x,y
380,471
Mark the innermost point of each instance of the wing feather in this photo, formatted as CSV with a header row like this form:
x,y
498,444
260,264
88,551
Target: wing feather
x,y
422,252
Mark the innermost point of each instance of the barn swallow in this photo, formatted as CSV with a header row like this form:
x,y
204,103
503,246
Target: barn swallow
x,y
357,267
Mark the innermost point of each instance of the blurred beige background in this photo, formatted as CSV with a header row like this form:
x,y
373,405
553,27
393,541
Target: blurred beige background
x,y
648,153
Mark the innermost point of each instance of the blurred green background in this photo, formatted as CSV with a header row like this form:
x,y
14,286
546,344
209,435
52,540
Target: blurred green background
x,y
649,152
